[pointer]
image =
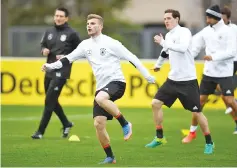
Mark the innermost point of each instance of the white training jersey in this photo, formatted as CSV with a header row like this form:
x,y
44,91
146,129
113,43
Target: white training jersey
x,y
234,27
177,44
220,44
104,55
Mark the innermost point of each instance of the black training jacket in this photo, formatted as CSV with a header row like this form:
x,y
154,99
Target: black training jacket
x,y
60,40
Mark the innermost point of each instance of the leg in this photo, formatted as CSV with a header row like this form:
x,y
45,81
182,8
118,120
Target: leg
x,y
166,96
67,125
232,103
61,115
229,110
203,100
157,114
58,108
190,97
51,99
207,87
218,88
227,86
47,80
103,137
105,99
202,120
59,111
158,119
194,122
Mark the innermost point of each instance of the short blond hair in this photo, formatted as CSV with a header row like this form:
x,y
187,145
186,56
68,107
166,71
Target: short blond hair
x,y
95,16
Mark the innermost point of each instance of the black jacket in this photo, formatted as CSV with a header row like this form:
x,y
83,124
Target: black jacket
x,y
60,40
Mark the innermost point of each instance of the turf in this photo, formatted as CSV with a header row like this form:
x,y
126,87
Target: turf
x,y
18,149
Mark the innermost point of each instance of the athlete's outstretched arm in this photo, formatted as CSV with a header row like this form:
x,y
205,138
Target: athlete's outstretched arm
x,y
124,53
67,59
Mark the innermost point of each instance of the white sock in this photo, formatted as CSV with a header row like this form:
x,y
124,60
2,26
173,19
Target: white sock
x,y
193,128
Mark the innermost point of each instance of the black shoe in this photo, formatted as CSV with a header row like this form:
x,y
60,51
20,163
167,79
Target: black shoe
x,y
66,130
37,135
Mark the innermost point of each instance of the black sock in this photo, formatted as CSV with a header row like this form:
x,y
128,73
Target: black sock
x,y
208,139
108,151
159,132
236,122
121,120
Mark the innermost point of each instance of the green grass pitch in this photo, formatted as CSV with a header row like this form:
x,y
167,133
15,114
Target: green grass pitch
x,y
18,149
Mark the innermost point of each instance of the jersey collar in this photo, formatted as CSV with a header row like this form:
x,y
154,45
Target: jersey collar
x,y
97,38
218,25
174,29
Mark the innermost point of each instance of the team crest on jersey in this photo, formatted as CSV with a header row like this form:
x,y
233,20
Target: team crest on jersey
x,y
220,37
50,36
102,51
63,37
89,52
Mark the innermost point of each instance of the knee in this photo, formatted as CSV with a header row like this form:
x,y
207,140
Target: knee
x,y
199,115
156,103
195,114
99,124
100,100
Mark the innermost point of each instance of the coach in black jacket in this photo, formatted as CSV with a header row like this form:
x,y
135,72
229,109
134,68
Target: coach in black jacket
x,y
57,41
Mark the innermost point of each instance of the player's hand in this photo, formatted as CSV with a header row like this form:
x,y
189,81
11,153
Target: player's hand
x,y
158,38
207,58
45,52
151,79
46,68
155,69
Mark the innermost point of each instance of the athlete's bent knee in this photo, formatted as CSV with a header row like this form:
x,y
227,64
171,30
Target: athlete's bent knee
x,y
156,103
101,98
99,123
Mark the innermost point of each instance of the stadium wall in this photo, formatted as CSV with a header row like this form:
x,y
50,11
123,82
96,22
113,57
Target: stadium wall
x,y
22,84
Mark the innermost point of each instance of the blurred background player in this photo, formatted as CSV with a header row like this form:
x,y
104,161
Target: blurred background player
x,y
182,80
226,16
220,49
104,55
59,40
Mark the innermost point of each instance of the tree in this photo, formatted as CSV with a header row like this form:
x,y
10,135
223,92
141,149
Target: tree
x,y
37,12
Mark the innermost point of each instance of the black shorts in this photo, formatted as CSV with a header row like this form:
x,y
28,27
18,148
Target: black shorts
x,y
115,90
208,85
235,67
186,91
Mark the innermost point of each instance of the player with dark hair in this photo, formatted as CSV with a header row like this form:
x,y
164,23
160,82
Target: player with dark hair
x,y
182,80
57,41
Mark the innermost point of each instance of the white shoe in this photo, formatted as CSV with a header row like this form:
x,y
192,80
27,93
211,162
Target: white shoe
x,y
228,110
